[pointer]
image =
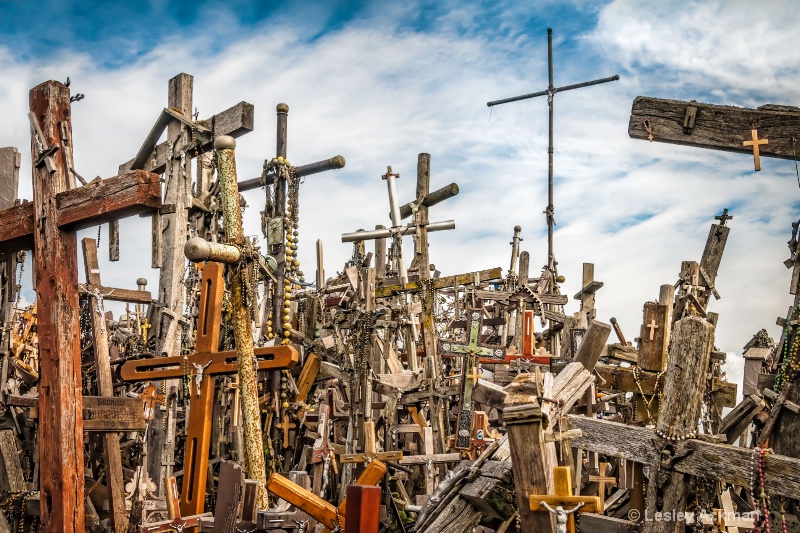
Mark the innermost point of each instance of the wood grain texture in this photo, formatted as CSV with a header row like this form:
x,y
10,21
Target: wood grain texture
x,y
55,264
526,442
694,457
228,494
363,513
716,127
592,345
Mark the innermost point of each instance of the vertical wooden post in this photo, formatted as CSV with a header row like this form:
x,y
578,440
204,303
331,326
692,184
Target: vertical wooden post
x,y
524,421
363,509
105,387
422,260
240,315
380,256
9,184
55,263
684,384
280,210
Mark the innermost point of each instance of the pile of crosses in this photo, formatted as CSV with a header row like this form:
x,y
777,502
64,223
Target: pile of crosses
x,y
240,397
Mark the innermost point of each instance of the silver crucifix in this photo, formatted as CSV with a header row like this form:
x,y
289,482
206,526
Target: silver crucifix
x,y
198,375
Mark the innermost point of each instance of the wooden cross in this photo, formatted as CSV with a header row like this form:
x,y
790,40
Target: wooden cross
x,y
652,326
755,142
471,351
429,459
285,426
330,516
198,433
563,504
48,225
370,449
602,480
176,522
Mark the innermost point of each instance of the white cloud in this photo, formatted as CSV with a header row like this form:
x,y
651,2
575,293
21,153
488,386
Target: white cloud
x,y
379,94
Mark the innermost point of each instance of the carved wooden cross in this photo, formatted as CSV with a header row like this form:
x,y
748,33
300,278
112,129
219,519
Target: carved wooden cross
x,y
48,225
563,504
198,433
602,480
428,459
471,351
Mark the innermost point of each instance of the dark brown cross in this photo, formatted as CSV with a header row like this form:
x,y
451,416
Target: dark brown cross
x,y
48,226
198,433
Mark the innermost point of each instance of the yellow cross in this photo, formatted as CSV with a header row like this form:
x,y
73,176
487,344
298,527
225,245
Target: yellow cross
x,y
145,328
754,143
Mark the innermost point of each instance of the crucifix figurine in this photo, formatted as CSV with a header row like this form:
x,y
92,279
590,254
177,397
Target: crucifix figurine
x,y
561,515
198,375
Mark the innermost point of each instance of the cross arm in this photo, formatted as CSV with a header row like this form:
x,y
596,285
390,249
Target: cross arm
x,y
437,196
716,127
615,77
125,195
694,457
333,163
221,363
235,122
441,283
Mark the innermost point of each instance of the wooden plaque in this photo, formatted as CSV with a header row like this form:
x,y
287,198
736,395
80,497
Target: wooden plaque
x,y
113,414
653,346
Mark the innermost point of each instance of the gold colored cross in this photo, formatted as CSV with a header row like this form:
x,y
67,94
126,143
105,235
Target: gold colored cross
x,y
286,425
755,143
145,328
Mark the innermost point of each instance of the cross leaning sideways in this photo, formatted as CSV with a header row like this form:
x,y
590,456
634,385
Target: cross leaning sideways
x,y
48,226
214,363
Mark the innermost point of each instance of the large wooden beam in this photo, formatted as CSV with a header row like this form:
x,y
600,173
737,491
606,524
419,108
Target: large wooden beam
x,y
716,127
695,457
439,283
125,195
55,263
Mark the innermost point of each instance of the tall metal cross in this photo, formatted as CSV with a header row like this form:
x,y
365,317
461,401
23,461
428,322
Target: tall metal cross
x,y
468,376
550,93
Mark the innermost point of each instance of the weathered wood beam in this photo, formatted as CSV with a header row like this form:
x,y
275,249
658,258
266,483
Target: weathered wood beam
x,y
235,122
440,283
694,457
715,126
125,195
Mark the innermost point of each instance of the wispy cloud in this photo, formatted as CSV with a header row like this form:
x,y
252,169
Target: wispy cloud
x,y
381,83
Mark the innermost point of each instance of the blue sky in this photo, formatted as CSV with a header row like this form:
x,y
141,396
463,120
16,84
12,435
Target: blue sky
x,y
380,82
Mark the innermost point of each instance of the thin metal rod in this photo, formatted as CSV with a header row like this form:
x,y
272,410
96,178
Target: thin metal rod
x,y
550,210
565,88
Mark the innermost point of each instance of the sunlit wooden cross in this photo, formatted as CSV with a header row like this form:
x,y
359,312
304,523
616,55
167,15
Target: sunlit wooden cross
x,y
563,504
47,226
198,432
471,351
755,143
602,480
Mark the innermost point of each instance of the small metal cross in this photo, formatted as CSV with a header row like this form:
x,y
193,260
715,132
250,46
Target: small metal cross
x,y
724,217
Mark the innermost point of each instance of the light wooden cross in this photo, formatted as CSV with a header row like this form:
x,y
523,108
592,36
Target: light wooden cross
x,y
176,522
471,352
602,480
563,503
48,226
755,142
198,433
429,459
330,516
370,449
652,326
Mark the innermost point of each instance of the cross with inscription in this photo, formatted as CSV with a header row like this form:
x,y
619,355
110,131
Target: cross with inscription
x,y
198,433
48,226
468,377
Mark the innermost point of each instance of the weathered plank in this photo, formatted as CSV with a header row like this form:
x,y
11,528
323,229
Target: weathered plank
x,y
715,126
113,198
11,476
235,122
439,283
694,457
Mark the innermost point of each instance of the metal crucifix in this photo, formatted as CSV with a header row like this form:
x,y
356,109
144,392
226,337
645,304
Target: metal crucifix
x,y
550,93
